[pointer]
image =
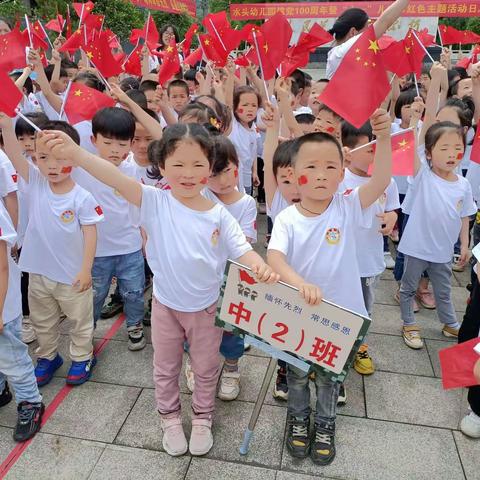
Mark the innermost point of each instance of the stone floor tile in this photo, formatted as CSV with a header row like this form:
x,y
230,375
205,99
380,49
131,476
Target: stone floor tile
x,y
385,291
469,450
433,347
252,371
123,463
460,296
412,399
218,470
55,457
93,411
283,475
369,449
6,442
462,278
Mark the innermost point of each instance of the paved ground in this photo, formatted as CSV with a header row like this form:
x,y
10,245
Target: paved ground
x,y
398,423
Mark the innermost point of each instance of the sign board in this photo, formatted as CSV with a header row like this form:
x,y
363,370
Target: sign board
x,y
427,8
326,336
173,6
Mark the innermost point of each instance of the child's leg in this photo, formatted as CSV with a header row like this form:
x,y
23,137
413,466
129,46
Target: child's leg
x,y
78,307
368,290
44,315
411,276
298,392
168,336
16,364
440,275
232,348
102,274
204,340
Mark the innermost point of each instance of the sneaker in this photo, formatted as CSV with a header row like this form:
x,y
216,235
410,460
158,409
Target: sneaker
x,y
28,333
147,322
456,265
298,436
46,368
280,389
201,438
174,441
363,363
470,425
189,375
450,332
111,309
80,372
426,299
411,336
136,338
229,385
389,261
5,396
29,418
322,450
342,395
416,308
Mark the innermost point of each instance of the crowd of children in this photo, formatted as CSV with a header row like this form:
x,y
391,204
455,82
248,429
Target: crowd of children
x,y
158,192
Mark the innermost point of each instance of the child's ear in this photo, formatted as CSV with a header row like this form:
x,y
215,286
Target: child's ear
x,y
93,140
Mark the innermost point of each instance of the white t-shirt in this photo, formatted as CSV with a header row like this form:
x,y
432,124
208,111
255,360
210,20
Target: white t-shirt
x,y
48,110
12,307
279,203
187,250
53,244
244,211
437,207
245,142
371,261
322,249
141,174
336,54
473,176
118,234
8,176
84,129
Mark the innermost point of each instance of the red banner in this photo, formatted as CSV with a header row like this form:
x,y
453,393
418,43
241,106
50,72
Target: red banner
x,y
428,8
173,6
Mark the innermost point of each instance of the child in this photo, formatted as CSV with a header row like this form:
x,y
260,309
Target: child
x,y
178,95
317,88
189,240
57,252
15,362
328,121
149,87
119,246
320,265
430,234
371,259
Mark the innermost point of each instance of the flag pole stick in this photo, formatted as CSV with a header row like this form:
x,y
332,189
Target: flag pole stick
x,y
45,33
440,36
81,16
423,46
218,36
204,55
374,141
416,84
131,53
29,32
64,100
148,27
260,63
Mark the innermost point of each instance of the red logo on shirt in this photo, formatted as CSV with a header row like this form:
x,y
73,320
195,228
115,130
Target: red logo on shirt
x,y
348,191
68,216
99,210
254,224
15,177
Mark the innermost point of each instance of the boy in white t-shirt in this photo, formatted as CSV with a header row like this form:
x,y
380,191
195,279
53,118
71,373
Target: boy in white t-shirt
x,y
371,258
57,252
313,248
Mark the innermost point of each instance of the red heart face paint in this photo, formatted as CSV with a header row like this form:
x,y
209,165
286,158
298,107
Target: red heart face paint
x,y
204,180
125,155
66,170
235,172
302,180
330,129
459,156
239,110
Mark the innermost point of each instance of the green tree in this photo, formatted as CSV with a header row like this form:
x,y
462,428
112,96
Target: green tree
x,y
13,11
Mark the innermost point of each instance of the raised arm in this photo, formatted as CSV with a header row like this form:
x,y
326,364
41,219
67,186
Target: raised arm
x,y
417,109
12,147
476,91
272,122
282,88
389,16
382,167
167,111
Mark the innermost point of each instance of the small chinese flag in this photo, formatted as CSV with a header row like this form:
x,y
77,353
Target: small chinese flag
x,y
12,51
95,22
56,24
190,33
450,35
457,364
83,10
218,26
99,210
316,37
213,49
73,42
294,58
360,81
133,63
11,96
170,64
84,102
194,57
100,53
475,153
149,33
39,37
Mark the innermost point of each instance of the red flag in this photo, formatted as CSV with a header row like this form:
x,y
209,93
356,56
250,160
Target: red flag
x,y
245,277
213,49
112,39
133,63
242,61
95,22
39,37
100,54
56,24
194,57
458,362
11,95
450,35
170,64
294,58
83,10
360,80
219,27
83,102
12,51
191,32
467,61
149,33
98,210
475,153
73,43
316,37
385,41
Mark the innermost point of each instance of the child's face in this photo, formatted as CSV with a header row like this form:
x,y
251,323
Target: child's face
x,y
225,181
327,122
140,143
115,151
313,101
402,81
152,102
60,85
364,157
447,153
465,88
187,170
287,185
27,143
318,170
425,81
192,87
71,73
50,167
178,98
247,107
406,114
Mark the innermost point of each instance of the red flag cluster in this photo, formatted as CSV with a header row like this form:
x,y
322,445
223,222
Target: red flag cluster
x,y
450,36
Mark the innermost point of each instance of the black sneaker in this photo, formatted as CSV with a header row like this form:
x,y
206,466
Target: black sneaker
x,y
136,338
28,420
342,396
322,449
298,438
111,309
280,389
147,322
5,396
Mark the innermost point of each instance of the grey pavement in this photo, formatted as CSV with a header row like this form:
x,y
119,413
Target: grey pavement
x,y
398,423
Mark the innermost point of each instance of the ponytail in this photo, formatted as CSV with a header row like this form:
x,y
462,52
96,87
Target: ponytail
x,y
351,18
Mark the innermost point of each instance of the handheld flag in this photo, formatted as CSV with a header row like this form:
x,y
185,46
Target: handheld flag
x,y
457,363
170,64
11,95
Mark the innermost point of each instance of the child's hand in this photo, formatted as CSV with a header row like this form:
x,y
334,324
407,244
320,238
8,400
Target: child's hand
x,y
264,273
388,221
58,42
230,67
445,57
475,73
283,89
310,293
83,281
437,70
270,116
464,256
56,57
60,145
160,96
476,371
417,108
381,123
118,94
34,59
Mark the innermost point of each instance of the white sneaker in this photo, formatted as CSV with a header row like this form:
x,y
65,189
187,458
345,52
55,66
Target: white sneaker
x,y
470,425
189,375
28,333
229,386
174,441
389,261
201,439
